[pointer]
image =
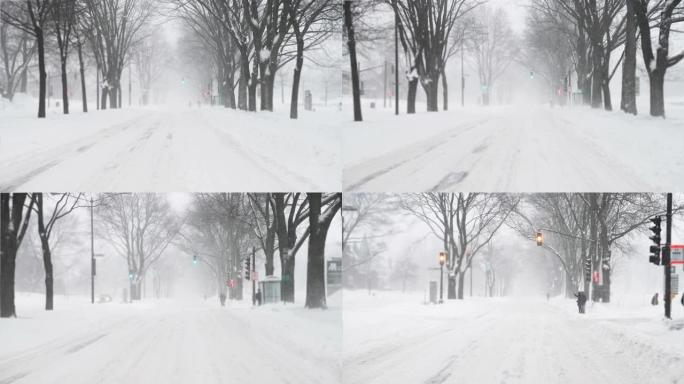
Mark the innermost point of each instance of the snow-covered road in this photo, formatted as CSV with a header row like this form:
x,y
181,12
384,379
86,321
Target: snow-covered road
x,y
171,343
186,149
390,340
515,149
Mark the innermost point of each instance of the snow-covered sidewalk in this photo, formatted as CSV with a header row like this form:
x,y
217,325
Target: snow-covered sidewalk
x,y
184,149
169,342
392,338
521,148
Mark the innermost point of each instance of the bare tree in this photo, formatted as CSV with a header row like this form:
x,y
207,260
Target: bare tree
x,y
659,61
291,210
148,62
64,18
308,21
550,46
139,227
33,17
351,46
322,210
263,210
465,223
14,220
425,29
117,26
493,47
64,204
16,52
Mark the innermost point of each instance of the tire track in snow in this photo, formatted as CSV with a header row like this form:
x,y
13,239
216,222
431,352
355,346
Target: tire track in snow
x,y
30,165
357,176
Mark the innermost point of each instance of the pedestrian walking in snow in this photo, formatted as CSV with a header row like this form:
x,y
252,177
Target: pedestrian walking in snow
x,y
654,300
258,297
581,301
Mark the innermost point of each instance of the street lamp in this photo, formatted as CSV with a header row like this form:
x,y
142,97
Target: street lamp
x,y
442,260
539,238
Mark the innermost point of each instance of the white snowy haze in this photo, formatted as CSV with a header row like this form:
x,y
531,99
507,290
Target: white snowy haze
x,y
522,327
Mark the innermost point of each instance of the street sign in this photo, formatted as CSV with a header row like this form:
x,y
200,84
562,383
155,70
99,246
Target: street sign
x,y
230,283
677,254
674,284
254,276
335,271
595,276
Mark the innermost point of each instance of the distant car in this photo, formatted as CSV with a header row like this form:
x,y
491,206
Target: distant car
x,y
104,299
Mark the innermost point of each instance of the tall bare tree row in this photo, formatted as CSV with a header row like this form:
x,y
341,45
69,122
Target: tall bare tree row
x,y
253,39
598,30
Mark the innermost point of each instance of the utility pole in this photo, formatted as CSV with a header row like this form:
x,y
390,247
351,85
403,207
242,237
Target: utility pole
x,y
252,276
471,282
396,59
92,254
384,87
666,259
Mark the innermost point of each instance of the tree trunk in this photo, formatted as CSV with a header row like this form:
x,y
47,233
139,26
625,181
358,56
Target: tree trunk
x,y
445,91
253,82
596,78
65,89
81,67
113,93
315,269
47,255
287,282
351,44
8,255
103,98
242,82
411,96
299,63
42,93
451,287
431,91
10,239
24,80
269,262
628,99
607,101
485,97
656,84
461,281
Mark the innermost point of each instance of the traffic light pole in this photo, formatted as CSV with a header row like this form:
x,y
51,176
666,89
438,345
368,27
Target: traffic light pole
x,y
92,255
251,277
666,262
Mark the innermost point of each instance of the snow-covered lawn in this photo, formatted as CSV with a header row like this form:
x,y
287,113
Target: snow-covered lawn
x,y
169,342
174,149
395,338
518,148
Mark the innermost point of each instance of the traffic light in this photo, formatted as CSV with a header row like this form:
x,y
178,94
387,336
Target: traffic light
x,y
131,275
194,259
654,249
587,268
531,75
248,268
539,238
666,255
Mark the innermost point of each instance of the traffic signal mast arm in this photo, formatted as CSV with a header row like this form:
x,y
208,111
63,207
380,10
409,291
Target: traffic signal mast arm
x,y
555,253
